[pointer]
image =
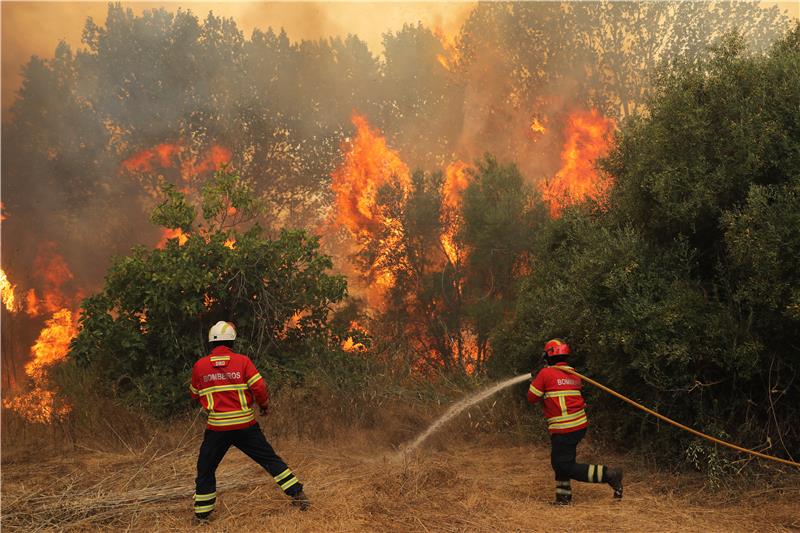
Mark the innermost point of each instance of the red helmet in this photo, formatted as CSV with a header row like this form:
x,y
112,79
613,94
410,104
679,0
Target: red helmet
x,y
556,347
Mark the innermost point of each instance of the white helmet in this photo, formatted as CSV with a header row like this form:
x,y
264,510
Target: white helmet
x,y
222,331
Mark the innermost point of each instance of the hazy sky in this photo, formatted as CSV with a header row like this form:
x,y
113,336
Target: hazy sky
x,y
34,28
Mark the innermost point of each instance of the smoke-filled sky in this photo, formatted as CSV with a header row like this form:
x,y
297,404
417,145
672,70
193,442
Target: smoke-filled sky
x,y
34,28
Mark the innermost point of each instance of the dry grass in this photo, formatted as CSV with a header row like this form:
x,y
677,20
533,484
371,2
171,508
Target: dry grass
x,y
358,483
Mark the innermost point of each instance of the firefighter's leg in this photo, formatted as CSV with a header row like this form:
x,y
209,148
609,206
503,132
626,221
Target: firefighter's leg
x,y
559,458
590,473
215,445
253,443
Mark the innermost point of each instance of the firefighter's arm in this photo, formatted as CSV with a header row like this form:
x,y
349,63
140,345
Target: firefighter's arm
x,y
194,386
536,390
257,386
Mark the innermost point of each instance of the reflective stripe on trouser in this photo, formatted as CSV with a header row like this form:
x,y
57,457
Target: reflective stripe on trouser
x,y
562,458
595,473
286,480
253,444
214,447
564,488
204,503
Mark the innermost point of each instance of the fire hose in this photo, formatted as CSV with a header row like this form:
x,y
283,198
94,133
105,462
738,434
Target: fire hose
x,y
674,423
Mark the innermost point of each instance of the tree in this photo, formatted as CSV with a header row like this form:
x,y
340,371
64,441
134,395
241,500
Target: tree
x,y
501,217
682,289
144,330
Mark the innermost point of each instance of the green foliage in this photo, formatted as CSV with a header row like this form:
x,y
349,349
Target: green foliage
x,y
148,325
174,212
500,219
683,293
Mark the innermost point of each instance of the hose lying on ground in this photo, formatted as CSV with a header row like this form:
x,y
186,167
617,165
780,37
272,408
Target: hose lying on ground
x,y
676,424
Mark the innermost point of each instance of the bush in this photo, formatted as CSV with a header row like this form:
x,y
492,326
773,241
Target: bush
x,y
148,325
683,292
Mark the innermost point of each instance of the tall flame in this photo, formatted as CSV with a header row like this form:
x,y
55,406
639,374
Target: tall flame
x,y
451,55
457,179
7,291
41,403
588,138
370,164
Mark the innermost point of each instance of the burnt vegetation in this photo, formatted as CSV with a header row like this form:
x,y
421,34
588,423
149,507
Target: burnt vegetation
x,y
677,286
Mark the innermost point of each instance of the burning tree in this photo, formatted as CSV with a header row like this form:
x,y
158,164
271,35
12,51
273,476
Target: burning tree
x,y
684,287
438,252
143,331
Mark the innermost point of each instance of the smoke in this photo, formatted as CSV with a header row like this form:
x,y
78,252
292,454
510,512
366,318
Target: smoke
x,y
33,28
442,82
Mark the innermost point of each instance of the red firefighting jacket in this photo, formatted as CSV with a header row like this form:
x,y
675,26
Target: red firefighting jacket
x,y
561,399
227,384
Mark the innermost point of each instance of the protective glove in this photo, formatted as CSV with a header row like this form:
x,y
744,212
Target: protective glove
x,y
264,409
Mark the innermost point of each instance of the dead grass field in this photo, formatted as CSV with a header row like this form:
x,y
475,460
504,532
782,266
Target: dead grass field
x,y
357,482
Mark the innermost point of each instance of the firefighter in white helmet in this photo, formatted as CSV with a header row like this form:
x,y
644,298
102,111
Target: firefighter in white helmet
x,y
228,386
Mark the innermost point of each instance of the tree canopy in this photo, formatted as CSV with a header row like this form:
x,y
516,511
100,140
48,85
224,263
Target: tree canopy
x,y
147,326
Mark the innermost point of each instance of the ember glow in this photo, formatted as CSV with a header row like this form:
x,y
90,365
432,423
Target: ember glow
x,y
537,127
588,138
32,306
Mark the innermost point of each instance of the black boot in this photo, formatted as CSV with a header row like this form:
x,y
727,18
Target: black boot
x,y
202,519
613,477
301,501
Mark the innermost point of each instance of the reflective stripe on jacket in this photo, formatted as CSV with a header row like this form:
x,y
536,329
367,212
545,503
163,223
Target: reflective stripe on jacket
x,y
228,386
561,398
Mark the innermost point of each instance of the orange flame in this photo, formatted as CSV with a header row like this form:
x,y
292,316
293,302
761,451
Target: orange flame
x,y
161,154
7,291
53,270
169,233
588,139
349,344
368,165
214,159
451,55
537,127
169,155
52,346
32,306
457,179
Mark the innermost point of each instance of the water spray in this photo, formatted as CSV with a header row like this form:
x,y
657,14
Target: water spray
x,y
458,407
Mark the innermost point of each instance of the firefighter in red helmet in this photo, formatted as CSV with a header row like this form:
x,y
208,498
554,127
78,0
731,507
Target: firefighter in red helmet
x,y
563,405
228,386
